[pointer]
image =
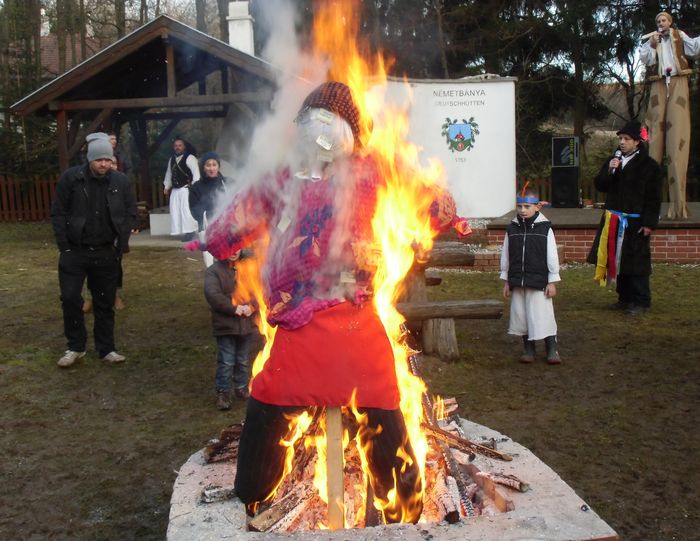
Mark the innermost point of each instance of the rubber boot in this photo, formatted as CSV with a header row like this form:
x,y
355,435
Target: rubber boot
x,y
528,355
552,353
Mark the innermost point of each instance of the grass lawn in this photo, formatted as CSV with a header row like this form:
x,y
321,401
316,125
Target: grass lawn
x,y
91,452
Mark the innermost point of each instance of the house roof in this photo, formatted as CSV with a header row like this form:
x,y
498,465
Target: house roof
x,y
49,53
135,68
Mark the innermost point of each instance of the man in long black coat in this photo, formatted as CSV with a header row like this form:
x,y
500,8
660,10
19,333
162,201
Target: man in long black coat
x,y
632,181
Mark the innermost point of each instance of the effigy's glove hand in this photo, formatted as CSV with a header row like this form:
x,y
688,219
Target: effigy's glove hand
x,y
194,246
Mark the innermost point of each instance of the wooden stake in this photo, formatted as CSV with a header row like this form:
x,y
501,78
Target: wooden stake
x,y
334,467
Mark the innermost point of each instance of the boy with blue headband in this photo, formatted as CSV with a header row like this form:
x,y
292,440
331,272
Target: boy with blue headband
x,y
530,269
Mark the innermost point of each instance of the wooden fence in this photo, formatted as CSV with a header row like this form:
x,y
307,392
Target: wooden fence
x,y
26,200
29,199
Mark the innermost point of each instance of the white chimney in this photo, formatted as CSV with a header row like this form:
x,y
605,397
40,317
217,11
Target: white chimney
x,y
45,30
240,27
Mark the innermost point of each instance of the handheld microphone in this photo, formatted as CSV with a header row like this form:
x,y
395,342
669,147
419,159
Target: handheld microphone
x,y
618,155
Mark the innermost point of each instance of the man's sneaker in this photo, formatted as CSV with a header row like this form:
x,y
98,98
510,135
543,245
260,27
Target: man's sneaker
x,y
114,357
69,357
223,400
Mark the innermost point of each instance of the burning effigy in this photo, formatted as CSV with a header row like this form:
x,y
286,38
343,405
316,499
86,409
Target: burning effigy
x,y
328,228
340,430
335,231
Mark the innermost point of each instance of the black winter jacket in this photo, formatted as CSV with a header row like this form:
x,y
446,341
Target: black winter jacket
x,y
70,205
636,189
203,197
219,285
527,252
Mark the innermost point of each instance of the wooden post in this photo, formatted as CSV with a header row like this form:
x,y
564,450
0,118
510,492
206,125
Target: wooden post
x,y
139,130
440,338
334,467
170,70
62,135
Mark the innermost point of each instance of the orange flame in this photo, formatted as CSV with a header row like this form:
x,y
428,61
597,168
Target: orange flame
x,y
439,410
249,287
401,227
401,222
298,425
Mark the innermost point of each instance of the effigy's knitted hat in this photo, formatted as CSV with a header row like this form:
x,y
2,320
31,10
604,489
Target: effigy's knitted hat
x,y
336,97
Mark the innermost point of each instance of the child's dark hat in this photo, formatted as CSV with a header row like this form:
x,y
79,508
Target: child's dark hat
x,y
209,156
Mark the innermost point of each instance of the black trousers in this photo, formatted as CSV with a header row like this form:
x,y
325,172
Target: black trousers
x,y
634,289
261,458
101,269
120,275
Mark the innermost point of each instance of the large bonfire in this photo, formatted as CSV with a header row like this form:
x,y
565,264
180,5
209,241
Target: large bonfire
x,y
401,227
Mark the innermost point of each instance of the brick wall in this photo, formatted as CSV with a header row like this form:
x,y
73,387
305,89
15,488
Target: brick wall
x,y
487,261
667,245
677,245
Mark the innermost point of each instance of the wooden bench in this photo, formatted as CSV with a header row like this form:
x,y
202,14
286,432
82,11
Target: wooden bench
x,y
437,318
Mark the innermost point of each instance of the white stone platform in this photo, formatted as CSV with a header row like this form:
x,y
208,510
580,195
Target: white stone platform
x,y
159,221
549,511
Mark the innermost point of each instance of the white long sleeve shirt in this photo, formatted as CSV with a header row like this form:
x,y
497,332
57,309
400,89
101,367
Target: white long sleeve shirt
x,y
664,53
191,163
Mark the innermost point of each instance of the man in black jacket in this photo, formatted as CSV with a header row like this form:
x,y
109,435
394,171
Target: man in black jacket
x,y
92,216
622,247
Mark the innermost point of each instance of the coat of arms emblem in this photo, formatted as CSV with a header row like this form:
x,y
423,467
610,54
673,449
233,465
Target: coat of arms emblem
x,y
460,135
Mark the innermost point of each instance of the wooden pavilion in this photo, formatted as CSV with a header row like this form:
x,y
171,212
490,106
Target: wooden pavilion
x,y
163,71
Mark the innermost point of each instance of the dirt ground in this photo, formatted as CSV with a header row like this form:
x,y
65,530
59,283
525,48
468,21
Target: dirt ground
x,y
91,452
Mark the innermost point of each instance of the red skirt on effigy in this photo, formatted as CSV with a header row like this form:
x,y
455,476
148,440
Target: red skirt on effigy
x,y
342,349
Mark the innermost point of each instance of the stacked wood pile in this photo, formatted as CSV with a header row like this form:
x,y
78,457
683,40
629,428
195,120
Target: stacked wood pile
x,y
455,488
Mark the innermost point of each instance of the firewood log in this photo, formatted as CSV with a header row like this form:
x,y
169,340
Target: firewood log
x,y
451,466
444,499
463,444
507,480
225,447
279,509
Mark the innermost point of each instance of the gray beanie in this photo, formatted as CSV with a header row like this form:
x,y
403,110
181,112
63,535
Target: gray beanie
x,y
99,147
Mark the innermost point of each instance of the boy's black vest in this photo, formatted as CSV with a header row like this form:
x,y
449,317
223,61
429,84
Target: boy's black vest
x,y
527,253
180,174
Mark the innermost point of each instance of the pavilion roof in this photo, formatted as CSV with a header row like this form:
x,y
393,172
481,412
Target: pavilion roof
x,y
133,72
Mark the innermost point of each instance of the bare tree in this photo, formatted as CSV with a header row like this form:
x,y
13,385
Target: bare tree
x,y
223,23
82,27
201,8
61,33
120,17
143,12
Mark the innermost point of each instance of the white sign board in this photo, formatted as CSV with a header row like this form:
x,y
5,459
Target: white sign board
x,y
469,125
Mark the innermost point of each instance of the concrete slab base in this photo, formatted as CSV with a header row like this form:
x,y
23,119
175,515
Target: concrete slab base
x,y
549,511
